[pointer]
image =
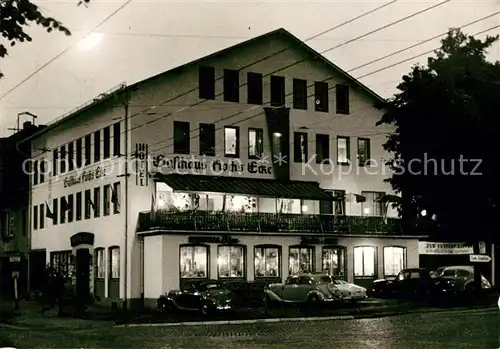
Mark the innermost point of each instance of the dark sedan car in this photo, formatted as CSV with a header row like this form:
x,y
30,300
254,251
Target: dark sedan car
x,y
208,297
416,283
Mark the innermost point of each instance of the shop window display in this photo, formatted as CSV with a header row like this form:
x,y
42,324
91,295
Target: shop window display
x,y
193,262
231,262
394,260
333,259
266,262
301,260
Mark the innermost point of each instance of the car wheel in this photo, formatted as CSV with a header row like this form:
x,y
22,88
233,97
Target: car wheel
x,y
313,301
470,289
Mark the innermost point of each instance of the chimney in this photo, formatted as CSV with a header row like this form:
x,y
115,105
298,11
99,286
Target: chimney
x,y
27,124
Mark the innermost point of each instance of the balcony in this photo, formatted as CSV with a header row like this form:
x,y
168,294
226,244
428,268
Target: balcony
x,y
203,221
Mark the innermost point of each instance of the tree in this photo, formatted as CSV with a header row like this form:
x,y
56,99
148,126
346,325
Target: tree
x,y
17,15
445,147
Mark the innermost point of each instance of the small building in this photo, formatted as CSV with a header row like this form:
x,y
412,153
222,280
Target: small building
x,y
254,163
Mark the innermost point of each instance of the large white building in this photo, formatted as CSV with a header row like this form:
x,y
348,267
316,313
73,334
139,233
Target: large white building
x,y
248,164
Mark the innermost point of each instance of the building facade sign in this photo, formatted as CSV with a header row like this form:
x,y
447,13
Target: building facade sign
x,y
142,170
437,248
86,176
210,166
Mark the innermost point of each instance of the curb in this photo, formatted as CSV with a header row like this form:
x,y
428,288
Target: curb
x,y
240,322
422,311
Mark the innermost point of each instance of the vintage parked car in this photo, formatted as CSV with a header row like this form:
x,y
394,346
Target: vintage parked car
x,y
460,279
312,289
207,297
415,283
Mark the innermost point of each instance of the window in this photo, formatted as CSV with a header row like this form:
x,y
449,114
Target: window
x,y
394,260
79,206
54,211
62,153
35,172
321,96
301,260
254,86
363,151
231,141
42,216
106,138
231,261
322,148
364,261
343,150
97,201
106,200
267,261
193,262
206,82
114,262
117,139
70,208
116,197
342,98
181,137
231,85
333,259
71,156
88,203
255,143
55,161
42,171
373,206
88,151
62,261
300,94
97,146
79,152
339,202
99,263
207,139
62,210
277,91
300,147
35,217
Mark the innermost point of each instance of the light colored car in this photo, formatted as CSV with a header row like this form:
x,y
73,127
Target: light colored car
x,y
313,288
461,278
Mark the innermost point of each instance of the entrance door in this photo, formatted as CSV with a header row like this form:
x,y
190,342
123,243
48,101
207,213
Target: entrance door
x,y
82,268
37,275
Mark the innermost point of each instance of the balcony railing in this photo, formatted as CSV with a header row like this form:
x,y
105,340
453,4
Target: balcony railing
x,y
266,222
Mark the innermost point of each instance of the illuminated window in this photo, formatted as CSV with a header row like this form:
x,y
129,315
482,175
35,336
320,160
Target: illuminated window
x,y
114,262
193,262
364,261
255,143
231,141
333,259
99,263
373,205
394,260
266,261
343,150
231,261
301,260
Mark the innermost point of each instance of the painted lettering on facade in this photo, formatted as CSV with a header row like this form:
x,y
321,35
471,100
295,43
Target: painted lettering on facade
x,y
142,168
444,248
86,176
211,167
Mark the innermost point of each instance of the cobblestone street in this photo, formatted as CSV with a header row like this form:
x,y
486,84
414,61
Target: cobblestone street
x,y
459,329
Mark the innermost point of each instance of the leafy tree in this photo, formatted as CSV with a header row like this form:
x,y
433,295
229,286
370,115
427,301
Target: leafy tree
x,y
445,146
17,15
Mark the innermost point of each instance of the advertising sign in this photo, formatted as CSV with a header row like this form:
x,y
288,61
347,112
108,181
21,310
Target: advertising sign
x,y
437,248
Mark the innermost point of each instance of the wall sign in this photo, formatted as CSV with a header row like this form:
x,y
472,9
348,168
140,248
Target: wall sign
x,y
436,248
86,176
141,177
210,166
212,240
305,240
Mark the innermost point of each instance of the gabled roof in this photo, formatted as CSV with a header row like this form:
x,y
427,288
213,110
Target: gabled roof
x,y
278,32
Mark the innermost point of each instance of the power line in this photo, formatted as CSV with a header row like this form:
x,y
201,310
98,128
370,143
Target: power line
x,y
63,51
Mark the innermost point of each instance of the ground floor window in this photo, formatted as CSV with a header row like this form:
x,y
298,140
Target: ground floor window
x,y
114,262
301,260
266,260
231,261
394,260
333,259
63,262
194,262
364,260
100,267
